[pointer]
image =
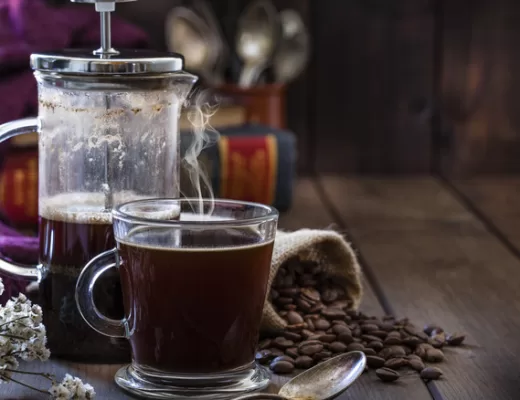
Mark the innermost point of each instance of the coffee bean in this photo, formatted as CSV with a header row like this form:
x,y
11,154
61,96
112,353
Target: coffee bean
x,y
284,300
322,324
370,338
397,351
369,352
310,324
310,349
281,366
379,334
289,291
396,363
264,344
434,355
438,340
392,341
341,304
455,339
282,343
411,357
295,337
316,308
322,355
274,294
292,352
338,329
345,337
294,318
264,356
311,295
306,333
314,317
276,352
328,338
423,336
431,373
356,332
411,330
395,334
355,347
386,353
376,345
428,329
303,362
308,281
416,365
303,304
329,295
338,347
316,336
290,307
367,328
385,326
296,327
333,313
375,361
387,374
411,341
338,322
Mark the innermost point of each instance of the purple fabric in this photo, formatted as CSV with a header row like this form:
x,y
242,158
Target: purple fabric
x,y
28,26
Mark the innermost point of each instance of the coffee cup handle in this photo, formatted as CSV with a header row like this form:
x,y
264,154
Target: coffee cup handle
x,y
85,296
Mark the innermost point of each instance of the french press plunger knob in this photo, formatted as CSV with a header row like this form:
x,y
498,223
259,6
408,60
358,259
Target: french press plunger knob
x,y
105,7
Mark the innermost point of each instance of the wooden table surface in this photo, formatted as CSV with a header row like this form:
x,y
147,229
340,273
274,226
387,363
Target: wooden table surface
x,y
437,252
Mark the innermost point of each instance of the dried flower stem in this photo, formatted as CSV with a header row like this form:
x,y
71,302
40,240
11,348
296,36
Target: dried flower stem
x,y
28,386
14,320
50,377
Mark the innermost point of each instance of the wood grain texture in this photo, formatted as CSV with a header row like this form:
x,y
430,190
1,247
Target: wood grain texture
x,y
478,89
373,85
437,263
308,212
498,198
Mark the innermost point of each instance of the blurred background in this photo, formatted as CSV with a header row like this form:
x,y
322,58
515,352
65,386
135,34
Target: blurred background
x,y
377,87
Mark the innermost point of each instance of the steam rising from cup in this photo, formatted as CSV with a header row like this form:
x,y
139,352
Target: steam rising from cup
x,y
203,135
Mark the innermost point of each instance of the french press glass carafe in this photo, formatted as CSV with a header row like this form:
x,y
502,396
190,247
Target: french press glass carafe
x,y
108,133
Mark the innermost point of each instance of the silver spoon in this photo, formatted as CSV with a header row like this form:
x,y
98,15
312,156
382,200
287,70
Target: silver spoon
x,y
258,30
325,381
293,52
189,35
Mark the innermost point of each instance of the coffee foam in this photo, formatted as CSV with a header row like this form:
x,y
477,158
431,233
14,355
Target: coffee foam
x,y
83,208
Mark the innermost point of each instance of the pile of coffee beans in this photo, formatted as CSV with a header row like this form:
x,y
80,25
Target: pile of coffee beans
x,y
321,325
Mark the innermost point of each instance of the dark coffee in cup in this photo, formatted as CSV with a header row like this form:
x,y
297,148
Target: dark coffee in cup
x,y
194,299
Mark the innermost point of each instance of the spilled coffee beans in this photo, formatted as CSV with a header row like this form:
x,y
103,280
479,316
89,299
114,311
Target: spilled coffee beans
x,y
321,325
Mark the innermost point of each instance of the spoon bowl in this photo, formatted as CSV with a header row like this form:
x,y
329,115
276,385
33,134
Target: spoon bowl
x,y
324,381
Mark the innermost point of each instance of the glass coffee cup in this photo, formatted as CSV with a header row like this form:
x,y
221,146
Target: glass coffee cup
x,y
194,279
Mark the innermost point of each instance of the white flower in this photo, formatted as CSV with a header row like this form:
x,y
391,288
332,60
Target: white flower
x,y
1,286
72,388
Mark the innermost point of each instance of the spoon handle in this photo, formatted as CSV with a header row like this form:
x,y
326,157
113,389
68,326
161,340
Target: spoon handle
x,y
261,396
249,75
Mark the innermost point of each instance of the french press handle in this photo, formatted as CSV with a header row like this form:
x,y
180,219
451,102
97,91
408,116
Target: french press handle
x,y
8,131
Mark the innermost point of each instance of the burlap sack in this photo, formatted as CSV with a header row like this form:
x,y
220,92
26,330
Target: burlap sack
x,y
325,247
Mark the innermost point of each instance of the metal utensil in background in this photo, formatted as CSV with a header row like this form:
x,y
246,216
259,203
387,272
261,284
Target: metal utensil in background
x,y
257,35
222,48
189,35
324,381
293,50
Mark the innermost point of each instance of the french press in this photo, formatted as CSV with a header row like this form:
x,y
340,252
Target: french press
x,y
108,133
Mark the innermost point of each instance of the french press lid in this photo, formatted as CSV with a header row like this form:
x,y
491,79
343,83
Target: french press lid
x,y
107,60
